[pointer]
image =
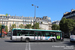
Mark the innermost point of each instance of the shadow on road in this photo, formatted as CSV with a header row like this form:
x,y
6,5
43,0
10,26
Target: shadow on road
x,y
24,41
15,41
70,43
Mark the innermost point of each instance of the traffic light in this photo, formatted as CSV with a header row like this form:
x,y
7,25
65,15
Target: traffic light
x,y
3,26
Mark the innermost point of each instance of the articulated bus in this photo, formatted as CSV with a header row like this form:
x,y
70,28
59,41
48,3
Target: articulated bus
x,y
36,35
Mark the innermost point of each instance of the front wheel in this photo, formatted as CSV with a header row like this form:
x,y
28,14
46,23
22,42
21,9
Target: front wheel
x,y
52,40
71,41
27,40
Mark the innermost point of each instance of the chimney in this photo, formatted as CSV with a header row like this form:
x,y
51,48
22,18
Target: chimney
x,y
9,14
66,13
72,10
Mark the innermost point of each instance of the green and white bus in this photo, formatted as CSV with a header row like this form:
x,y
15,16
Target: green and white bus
x,y
27,35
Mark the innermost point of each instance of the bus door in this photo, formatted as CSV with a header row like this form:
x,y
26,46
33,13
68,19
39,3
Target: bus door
x,y
18,34
58,36
37,35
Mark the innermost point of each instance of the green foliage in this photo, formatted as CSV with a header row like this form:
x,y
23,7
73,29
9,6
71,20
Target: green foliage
x,y
28,26
55,27
6,14
6,28
36,26
41,22
63,25
0,27
13,26
67,25
21,26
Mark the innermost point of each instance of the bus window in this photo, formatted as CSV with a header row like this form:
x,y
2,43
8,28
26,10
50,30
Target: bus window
x,y
38,33
72,33
14,33
52,34
20,33
31,33
26,33
47,34
43,33
57,34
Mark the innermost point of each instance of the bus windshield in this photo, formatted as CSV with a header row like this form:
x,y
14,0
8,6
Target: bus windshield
x,y
72,33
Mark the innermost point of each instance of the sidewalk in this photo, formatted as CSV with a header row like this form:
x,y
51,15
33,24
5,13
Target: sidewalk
x,y
5,37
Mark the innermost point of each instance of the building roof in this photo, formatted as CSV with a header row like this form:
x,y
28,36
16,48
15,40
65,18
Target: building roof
x,y
68,13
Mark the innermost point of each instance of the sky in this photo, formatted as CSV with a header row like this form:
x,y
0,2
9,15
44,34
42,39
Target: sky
x,y
51,8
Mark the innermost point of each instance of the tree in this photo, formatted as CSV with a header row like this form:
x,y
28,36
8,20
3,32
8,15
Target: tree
x,y
28,26
6,14
35,26
6,28
63,25
67,25
13,26
21,26
70,24
55,27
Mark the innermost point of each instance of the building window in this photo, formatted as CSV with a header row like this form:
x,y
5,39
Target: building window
x,y
6,23
10,25
0,19
13,22
17,25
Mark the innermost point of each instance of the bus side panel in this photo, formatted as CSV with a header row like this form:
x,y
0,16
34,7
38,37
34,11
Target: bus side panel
x,y
18,38
14,38
31,38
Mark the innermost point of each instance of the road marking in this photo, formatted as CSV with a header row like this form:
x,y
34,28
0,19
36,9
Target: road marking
x,y
28,47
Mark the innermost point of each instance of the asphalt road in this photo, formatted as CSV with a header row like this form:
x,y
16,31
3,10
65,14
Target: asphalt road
x,y
7,44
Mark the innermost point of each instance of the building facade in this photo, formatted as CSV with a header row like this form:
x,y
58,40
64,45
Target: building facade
x,y
70,15
9,20
44,22
56,22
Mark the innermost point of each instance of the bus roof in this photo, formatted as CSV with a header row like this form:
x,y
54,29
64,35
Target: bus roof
x,y
36,30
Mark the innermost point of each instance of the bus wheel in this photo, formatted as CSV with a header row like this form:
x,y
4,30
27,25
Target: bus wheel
x,y
27,40
52,40
55,40
71,41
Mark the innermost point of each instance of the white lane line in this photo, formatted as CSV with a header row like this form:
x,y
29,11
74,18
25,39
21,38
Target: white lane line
x,y
26,46
29,47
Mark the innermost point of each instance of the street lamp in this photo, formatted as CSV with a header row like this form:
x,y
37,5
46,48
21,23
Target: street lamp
x,y
34,10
